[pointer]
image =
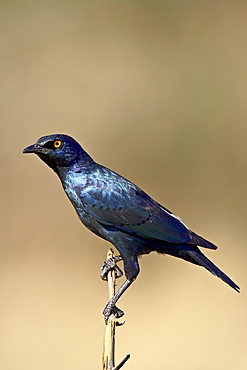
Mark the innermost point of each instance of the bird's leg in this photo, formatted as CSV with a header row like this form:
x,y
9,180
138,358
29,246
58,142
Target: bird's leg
x,y
111,264
110,307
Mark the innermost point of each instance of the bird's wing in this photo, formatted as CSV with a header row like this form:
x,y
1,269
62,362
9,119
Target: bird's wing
x,y
123,205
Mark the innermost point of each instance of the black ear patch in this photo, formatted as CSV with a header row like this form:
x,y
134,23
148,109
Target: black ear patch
x,y
49,144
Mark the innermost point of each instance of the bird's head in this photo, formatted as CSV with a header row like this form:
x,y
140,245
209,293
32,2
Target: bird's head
x,y
58,151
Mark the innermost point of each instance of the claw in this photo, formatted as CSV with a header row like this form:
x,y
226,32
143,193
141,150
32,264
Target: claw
x,y
120,323
111,264
112,309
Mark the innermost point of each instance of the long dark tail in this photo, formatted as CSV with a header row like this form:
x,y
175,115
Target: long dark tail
x,y
197,257
192,253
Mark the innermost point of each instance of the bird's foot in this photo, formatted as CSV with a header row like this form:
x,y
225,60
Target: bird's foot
x,y
111,265
110,309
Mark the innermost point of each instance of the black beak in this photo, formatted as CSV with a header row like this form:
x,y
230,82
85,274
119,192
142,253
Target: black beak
x,y
30,149
35,148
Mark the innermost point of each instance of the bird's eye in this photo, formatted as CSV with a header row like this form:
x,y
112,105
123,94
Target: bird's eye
x,y
57,143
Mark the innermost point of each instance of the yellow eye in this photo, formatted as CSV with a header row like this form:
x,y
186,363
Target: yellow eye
x,y
57,143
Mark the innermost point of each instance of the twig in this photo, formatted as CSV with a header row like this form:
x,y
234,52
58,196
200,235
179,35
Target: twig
x,y
108,357
122,362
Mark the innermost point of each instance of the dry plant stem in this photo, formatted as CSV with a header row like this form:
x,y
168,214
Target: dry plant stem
x,y
109,340
108,358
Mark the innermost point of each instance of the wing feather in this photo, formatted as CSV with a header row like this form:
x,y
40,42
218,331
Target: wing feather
x,y
123,205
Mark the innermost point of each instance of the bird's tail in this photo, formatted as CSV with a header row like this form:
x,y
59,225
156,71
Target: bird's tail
x,y
198,258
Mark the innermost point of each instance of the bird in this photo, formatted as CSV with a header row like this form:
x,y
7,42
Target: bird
x,y
120,212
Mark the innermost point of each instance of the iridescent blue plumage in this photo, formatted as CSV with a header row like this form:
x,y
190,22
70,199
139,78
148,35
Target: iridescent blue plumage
x,y
117,210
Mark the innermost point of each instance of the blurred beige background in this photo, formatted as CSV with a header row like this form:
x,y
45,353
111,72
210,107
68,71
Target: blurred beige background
x,y
156,91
